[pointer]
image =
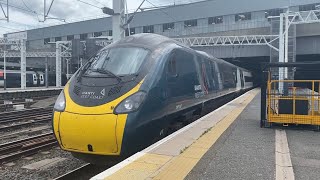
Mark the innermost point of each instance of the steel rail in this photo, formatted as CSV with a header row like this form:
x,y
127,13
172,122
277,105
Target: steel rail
x,y
25,147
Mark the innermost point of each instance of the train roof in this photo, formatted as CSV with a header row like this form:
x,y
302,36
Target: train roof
x,y
152,42
217,59
148,40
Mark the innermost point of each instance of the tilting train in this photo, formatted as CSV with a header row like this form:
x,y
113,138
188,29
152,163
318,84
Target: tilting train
x,y
33,79
133,91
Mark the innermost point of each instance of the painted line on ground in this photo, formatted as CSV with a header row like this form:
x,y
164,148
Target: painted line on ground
x,y
284,168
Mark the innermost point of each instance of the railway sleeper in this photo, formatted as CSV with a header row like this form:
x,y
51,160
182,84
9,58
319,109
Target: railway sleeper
x,y
28,152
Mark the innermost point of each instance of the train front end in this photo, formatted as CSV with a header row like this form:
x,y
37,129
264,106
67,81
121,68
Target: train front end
x,y
91,113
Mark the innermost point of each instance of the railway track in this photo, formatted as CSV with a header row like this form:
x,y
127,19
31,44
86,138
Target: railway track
x,y
84,172
30,122
5,116
24,118
25,147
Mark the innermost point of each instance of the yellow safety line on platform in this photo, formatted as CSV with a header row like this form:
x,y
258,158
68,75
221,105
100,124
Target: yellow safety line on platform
x,y
155,166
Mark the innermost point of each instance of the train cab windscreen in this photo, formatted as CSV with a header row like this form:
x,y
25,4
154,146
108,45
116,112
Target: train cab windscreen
x,y
118,61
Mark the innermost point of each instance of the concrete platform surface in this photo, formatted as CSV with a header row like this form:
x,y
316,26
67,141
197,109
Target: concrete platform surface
x,y
174,156
304,148
227,144
245,151
44,103
28,89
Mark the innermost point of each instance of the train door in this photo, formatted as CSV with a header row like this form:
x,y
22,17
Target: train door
x,y
41,77
34,79
238,80
1,79
207,83
182,81
219,75
242,79
214,75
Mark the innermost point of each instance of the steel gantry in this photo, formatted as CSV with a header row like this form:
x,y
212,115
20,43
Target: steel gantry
x,y
62,47
286,20
246,40
63,50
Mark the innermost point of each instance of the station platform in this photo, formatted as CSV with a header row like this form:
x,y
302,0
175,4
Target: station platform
x,y
228,143
29,89
30,92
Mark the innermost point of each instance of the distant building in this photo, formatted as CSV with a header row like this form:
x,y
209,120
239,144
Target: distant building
x,y
213,17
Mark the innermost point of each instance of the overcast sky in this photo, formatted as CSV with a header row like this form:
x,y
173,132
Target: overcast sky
x,y
26,14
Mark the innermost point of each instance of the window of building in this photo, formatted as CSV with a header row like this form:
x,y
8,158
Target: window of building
x,y
70,37
215,20
309,7
168,26
243,17
132,31
46,41
110,33
273,12
97,34
83,36
57,39
148,29
191,23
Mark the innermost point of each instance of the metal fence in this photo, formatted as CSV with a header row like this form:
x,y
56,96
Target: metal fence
x,y
290,94
297,104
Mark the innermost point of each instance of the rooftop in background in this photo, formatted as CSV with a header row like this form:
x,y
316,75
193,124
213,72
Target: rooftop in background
x,y
179,12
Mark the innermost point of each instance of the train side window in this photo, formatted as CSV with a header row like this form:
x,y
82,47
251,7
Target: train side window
x,y
172,70
248,79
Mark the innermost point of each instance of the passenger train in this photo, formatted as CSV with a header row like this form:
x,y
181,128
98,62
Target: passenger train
x,y
33,79
134,91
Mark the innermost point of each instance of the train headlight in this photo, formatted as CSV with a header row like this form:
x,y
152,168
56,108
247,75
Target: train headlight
x,y
60,104
131,103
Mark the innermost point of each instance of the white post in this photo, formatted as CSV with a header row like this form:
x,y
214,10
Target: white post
x,y
281,52
23,64
4,70
58,64
47,72
118,20
286,57
67,61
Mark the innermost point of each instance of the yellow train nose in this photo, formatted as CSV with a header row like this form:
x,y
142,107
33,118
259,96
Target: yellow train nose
x,y
89,133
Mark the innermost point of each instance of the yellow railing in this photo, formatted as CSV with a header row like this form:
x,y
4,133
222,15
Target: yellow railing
x,y
299,105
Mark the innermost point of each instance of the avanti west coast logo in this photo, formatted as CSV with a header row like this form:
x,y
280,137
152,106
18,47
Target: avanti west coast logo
x,y
93,95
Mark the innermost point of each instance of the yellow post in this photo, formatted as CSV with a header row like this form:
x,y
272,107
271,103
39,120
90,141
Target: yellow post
x,y
269,100
294,102
318,98
312,99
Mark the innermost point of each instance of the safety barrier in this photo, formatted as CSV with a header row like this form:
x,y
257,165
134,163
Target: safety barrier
x,y
298,103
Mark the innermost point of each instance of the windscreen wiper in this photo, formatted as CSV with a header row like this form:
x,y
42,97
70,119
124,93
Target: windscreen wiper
x,y
104,71
83,70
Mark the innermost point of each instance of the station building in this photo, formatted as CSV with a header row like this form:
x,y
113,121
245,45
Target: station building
x,y
206,18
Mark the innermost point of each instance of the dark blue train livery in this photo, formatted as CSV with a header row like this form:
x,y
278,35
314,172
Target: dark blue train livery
x,y
136,91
